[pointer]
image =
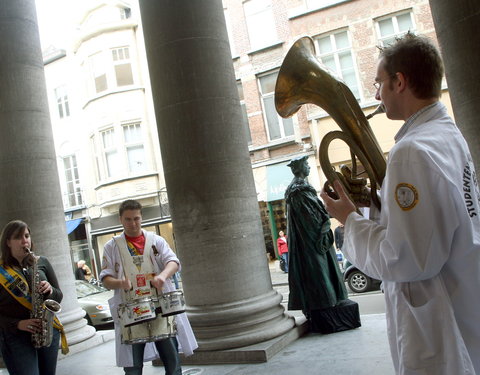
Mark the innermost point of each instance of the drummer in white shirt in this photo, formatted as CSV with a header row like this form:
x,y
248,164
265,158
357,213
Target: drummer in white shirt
x,y
164,263
426,245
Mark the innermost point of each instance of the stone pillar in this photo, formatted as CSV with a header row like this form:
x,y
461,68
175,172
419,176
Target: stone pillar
x,y
215,213
30,190
456,26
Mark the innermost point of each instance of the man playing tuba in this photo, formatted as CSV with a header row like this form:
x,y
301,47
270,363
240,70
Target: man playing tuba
x,y
426,246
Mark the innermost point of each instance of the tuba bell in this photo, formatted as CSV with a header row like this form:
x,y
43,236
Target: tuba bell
x,y
302,80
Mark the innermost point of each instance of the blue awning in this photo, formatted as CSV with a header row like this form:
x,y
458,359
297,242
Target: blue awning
x,y
72,225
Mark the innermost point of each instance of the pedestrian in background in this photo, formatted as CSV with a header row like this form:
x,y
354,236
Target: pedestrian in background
x,y
83,272
283,249
338,235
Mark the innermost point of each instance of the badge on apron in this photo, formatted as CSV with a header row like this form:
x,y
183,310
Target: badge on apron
x,y
406,196
141,280
142,292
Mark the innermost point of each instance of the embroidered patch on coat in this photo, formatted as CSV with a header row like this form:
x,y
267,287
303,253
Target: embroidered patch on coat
x,y
104,262
406,196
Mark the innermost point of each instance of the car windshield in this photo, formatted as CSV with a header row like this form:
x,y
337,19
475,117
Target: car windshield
x,y
86,289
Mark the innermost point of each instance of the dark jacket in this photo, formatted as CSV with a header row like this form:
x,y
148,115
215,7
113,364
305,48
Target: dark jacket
x,y
339,231
80,274
11,311
282,246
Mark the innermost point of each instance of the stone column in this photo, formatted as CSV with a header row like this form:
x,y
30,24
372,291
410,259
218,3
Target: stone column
x,y
30,190
227,285
456,26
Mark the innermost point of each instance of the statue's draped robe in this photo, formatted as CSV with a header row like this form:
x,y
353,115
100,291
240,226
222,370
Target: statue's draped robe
x,y
314,277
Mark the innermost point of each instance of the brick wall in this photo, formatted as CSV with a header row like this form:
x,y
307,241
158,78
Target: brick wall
x,y
358,16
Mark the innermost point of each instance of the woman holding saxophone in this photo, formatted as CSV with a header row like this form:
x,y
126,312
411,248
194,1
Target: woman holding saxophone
x,y
21,355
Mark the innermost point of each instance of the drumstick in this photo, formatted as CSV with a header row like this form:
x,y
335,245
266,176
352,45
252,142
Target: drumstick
x,y
126,278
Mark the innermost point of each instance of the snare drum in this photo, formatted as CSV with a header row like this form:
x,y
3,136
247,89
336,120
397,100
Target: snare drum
x,y
136,311
172,303
153,330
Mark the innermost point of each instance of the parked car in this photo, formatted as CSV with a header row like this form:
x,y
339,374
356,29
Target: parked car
x,y
357,281
94,300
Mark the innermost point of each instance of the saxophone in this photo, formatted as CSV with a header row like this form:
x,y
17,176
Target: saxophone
x,y
43,310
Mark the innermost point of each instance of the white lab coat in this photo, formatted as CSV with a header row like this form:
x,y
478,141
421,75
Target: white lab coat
x,y
112,266
428,253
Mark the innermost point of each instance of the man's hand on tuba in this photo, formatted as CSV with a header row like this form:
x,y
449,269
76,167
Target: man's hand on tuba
x,y
339,208
355,187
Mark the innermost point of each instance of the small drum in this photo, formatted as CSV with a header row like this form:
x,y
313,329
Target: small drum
x,y
152,330
136,311
172,303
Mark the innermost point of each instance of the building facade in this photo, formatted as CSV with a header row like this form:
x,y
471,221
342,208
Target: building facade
x,y
106,132
346,34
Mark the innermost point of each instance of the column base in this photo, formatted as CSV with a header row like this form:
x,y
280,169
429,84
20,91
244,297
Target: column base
x,y
99,337
257,353
240,323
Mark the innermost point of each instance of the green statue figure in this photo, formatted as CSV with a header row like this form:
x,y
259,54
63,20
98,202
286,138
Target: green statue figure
x,y
315,280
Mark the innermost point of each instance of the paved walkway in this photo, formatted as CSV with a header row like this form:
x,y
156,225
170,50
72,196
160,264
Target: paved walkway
x,y
363,351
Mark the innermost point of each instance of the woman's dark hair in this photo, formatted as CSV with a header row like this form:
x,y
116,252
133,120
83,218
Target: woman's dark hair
x,y
129,204
420,62
13,229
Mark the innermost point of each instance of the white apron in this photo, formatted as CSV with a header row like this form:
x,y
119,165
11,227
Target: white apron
x,y
113,266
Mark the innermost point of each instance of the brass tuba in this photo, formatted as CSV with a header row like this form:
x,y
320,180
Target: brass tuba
x,y
302,80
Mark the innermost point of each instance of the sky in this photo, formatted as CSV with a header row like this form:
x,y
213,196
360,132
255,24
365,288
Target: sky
x,y
56,20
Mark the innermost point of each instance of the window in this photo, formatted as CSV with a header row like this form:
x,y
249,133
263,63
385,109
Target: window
x,y
122,66
244,112
99,72
119,152
134,147
74,192
110,153
109,69
260,23
396,26
125,13
334,51
277,127
62,101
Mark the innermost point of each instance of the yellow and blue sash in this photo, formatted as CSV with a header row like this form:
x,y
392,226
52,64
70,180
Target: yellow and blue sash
x,y
16,285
